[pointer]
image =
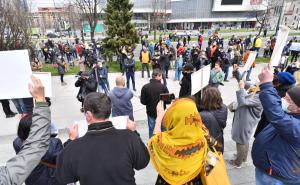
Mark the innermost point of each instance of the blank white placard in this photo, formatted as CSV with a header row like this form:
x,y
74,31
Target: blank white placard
x,y
281,39
15,74
200,79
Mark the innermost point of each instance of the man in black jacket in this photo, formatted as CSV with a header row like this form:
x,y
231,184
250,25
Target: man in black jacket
x,y
150,95
87,85
104,155
129,66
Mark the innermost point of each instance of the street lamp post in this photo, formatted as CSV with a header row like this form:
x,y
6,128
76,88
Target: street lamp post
x,y
280,16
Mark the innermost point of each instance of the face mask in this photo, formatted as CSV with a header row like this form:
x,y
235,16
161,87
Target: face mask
x,y
285,105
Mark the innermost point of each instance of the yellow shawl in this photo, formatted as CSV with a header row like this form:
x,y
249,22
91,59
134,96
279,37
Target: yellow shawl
x,y
178,153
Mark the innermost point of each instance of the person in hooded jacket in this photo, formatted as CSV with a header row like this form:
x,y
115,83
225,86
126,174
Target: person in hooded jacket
x,y
213,113
43,174
246,117
120,98
185,83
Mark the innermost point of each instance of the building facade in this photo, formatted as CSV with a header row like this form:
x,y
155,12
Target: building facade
x,y
195,14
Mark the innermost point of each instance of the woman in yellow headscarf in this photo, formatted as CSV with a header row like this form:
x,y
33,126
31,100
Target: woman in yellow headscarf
x,y
179,152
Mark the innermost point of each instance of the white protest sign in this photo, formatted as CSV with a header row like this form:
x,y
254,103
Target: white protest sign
x,y
15,74
281,39
200,79
250,61
119,122
46,80
295,46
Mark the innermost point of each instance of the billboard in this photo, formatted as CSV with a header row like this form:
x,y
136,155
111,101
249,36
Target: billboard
x,y
232,2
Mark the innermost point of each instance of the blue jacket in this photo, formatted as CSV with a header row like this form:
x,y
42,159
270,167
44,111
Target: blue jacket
x,y
276,149
121,102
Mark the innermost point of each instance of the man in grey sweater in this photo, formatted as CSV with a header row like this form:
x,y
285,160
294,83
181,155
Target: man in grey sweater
x,y
18,168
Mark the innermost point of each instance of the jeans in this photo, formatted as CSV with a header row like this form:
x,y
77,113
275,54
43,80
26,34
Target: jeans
x,y
226,71
177,74
23,105
151,125
262,178
143,69
130,74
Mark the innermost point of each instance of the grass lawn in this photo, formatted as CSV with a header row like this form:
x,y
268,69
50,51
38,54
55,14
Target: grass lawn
x,y
114,67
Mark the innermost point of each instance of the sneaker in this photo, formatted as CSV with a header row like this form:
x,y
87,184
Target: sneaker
x,y
232,163
134,89
11,115
63,83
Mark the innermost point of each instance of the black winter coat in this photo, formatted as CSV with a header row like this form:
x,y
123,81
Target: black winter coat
x,y
150,95
43,174
86,86
215,122
186,86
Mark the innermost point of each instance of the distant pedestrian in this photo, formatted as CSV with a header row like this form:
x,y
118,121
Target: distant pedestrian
x,y
265,32
145,60
129,66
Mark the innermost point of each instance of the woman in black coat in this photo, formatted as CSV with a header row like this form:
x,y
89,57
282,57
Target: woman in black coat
x,y
213,113
43,174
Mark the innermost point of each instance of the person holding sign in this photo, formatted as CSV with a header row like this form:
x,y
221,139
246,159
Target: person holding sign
x,y
104,155
19,167
275,150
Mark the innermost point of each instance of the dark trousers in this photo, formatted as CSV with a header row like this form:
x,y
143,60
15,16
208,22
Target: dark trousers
x,y
6,107
130,74
294,55
143,69
167,71
225,69
61,78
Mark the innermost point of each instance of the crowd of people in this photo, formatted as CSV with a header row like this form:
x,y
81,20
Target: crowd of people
x,y
181,130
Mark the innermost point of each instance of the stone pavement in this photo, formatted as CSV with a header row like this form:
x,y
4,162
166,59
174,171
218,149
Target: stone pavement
x,y
65,110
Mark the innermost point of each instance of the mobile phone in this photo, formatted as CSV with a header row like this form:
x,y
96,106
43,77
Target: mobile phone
x,y
167,97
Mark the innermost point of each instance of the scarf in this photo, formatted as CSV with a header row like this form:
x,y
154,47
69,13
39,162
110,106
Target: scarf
x,y
178,153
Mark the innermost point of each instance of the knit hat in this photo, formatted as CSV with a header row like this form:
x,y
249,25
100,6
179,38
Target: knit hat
x,y
53,129
286,78
294,93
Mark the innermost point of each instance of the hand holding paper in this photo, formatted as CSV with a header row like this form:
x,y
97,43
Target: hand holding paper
x,y
37,89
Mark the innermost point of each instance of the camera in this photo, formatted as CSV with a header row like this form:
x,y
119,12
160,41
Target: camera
x,y
167,97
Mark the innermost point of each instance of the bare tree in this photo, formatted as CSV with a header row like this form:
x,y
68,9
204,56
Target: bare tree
x,y
90,10
159,17
14,25
263,17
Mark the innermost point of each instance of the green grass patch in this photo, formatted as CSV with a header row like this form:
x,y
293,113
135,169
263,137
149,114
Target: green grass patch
x,y
113,67
260,60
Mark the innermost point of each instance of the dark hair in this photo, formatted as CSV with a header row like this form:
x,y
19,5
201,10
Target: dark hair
x,y
211,99
156,72
98,104
24,127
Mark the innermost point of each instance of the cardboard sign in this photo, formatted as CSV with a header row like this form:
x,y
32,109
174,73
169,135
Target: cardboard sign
x,y
250,61
15,75
200,79
281,39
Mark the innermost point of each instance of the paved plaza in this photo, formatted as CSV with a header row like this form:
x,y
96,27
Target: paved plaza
x,y
65,111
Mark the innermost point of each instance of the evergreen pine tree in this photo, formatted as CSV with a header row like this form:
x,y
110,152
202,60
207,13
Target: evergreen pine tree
x,y
120,31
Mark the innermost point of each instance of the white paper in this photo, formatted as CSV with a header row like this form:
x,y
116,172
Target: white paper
x,y
119,122
46,80
15,74
281,39
200,79
249,61
295,46
82,127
